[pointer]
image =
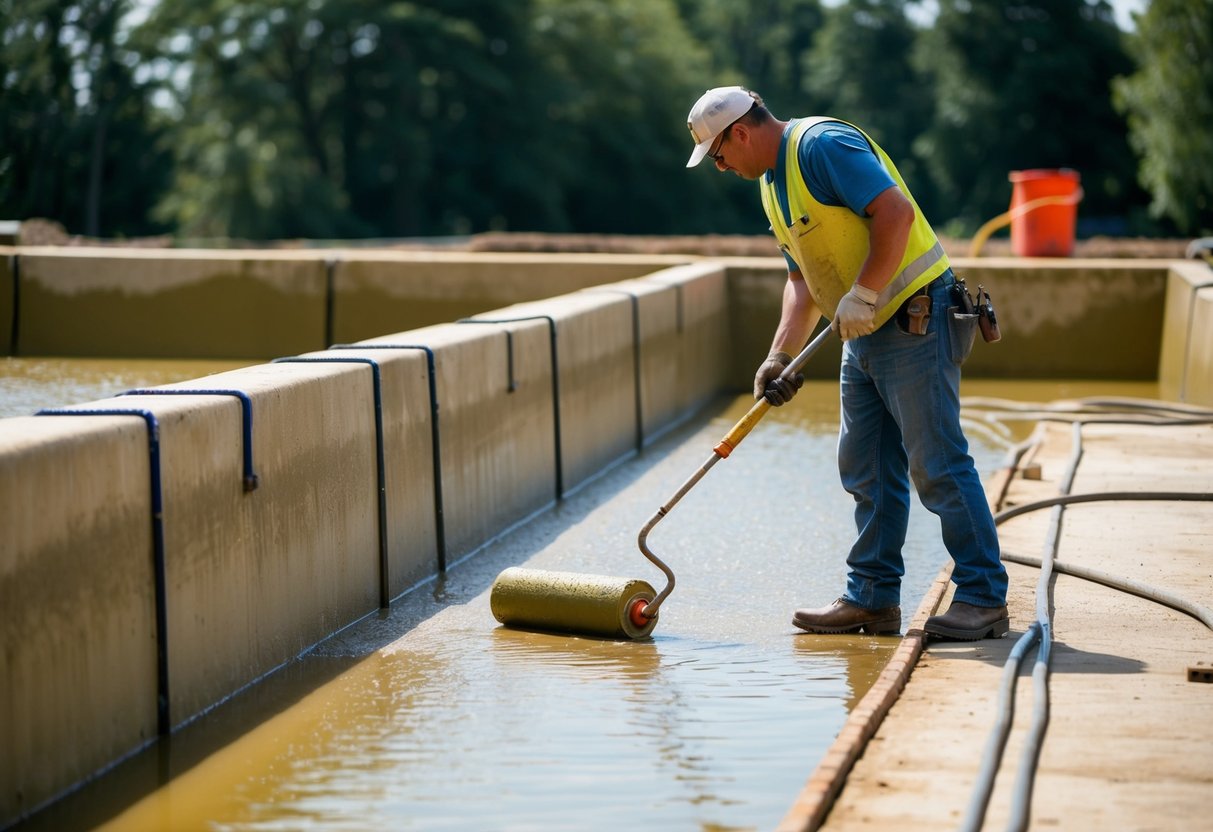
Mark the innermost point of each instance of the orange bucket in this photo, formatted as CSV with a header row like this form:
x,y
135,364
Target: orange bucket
x,y
1044,204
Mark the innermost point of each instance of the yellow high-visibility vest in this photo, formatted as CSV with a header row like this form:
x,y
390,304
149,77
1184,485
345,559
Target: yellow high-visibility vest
x,y
830,242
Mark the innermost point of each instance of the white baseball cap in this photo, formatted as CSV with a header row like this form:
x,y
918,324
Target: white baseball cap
x,y
715,110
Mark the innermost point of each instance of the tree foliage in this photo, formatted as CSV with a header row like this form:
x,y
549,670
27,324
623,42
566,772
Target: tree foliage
x,y
397,118
77,133
859,69
1169,103
1022,86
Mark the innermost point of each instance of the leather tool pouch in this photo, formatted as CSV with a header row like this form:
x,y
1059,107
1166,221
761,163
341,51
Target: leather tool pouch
x,y
915,314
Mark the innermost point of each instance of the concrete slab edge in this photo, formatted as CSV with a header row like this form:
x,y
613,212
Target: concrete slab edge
x,y
815,800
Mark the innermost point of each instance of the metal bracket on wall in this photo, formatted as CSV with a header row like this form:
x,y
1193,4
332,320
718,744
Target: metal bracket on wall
x,y
251,480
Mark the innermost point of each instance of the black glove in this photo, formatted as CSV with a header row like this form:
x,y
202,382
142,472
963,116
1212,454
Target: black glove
x,y
780,392
768,384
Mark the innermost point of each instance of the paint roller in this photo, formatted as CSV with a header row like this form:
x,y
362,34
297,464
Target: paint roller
x,y
604,606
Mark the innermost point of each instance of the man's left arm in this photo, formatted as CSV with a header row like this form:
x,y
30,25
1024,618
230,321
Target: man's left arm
x,y
891,216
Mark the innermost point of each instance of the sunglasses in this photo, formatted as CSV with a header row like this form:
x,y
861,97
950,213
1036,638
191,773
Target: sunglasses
x,y
715,156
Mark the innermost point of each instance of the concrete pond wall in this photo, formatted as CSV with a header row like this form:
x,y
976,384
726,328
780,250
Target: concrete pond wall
x,y
1185,365
157,560
141,588
178,303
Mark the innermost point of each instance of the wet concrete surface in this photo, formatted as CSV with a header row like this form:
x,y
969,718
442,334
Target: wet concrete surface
x,y
433,716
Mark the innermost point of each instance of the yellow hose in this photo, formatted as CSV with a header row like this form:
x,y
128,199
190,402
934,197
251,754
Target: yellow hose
x,y
1005,219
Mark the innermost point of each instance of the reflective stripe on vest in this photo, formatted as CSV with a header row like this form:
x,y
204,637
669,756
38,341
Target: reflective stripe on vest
x,y
830,242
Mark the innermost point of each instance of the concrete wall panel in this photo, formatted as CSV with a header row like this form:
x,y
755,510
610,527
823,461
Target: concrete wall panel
x,y
1069,318
412,524
1059,318
1179,334
656,323
255,578
595,351
379,292
496,421
171,304
755,295
1198,379
704,352
77,632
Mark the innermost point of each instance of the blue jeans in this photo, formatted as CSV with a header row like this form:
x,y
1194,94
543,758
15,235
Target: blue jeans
x,y
901,422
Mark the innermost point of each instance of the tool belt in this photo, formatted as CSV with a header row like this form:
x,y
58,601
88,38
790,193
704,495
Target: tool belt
x,y
966,316
914,315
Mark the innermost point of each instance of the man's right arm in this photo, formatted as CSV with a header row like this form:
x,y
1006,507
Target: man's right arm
x,y
797,318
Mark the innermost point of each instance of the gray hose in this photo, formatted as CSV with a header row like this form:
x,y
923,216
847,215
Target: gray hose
x,y
997,740
1201,613
1041,629
1104,496
1021,798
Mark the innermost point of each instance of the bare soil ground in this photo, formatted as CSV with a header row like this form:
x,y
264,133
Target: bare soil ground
x,y
764,246
47,232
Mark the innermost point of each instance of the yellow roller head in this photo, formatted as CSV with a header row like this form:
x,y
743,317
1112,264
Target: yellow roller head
x,y
569,602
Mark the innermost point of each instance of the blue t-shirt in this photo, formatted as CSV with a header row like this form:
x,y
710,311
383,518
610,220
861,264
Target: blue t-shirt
x,y
838,165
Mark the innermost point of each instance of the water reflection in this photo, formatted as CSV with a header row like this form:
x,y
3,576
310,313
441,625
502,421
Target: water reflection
x,y
859,658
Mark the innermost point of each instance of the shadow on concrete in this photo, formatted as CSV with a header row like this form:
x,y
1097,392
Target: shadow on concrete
x,y
1064,659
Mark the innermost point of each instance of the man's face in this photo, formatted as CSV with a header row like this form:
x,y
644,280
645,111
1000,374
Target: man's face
x,y
731,151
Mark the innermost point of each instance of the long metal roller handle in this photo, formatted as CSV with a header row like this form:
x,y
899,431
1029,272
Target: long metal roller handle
x,y
726,445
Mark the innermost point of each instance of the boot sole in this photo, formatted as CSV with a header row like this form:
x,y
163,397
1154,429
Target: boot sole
x,y
888,626
997,629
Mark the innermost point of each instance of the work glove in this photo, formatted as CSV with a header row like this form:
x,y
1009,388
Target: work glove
x,y
768,385
856,313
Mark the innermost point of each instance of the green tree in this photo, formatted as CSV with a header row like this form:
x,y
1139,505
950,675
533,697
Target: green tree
x,y
1020,86
759,44
1169,104
77,143
333,118
619,78
860,68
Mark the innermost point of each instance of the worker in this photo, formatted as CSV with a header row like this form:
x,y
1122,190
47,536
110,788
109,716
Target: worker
x,y
859,250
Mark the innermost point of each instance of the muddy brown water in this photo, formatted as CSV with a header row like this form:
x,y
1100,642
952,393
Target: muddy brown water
x,y
31,384
432,716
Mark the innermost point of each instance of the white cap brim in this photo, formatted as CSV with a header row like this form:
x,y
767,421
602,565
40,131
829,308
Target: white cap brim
x,y
699,152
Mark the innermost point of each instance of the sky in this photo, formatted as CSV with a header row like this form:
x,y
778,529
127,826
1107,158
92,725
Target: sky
x,y
1122,10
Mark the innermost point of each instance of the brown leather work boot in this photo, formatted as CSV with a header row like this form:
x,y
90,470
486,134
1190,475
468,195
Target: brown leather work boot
x,y
965,622
844,617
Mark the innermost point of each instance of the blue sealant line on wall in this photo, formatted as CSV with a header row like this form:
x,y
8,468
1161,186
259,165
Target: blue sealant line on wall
x,y
250,478
509,342
163,723
384,589
435,435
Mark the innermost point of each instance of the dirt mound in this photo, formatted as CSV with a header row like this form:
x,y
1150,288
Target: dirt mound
x,y
717,245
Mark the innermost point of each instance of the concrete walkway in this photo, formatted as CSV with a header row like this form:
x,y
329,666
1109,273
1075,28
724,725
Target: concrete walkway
x,y
1128,743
